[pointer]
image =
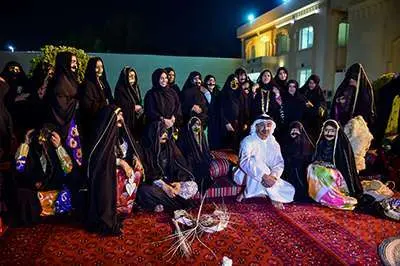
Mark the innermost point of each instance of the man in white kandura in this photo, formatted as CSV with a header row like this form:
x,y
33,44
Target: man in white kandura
x,y
261,165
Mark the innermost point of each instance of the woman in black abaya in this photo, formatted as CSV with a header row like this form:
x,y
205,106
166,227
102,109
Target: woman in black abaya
x,y
62,96
128,97
193,100
112,148
355,96
171,79
161,103
169,181
297,153
213,111
315,111
95,94
234,114
16,99
281,80
193,144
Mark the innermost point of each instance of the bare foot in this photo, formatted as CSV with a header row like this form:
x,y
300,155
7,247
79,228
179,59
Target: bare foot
x,y
278,205
240,197
159,208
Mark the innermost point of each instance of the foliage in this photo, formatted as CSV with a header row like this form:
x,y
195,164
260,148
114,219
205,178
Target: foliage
x,y
49,53
380,82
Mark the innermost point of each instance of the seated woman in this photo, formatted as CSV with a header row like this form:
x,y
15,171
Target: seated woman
x,y
42,164
332,177
297,153
193,144
114,173
169,181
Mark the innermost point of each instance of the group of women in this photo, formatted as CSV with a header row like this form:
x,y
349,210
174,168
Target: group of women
x,y
154,151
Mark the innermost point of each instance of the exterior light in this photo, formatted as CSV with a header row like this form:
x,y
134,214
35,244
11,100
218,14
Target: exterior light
x,y
251,18
11,48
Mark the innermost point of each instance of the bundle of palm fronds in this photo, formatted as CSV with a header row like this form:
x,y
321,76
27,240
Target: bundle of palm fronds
x,y
189,228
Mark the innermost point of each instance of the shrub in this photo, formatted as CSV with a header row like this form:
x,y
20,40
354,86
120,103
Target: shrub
x,y
49,53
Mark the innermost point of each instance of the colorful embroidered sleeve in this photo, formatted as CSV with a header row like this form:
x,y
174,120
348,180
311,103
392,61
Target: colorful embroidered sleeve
x,y
20,157
65,160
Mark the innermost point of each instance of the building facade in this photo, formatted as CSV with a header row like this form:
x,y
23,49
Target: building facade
x,y
323,37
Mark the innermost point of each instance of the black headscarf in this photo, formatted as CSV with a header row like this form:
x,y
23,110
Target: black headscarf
x,y
312,119
90,75
362,97
294,105
173,85
232,101
264,99
297,153
6,126
340,153
16,81
300,147
316,95
176,170
281,84
38,106
63,93
126,97
101,171
192,95
189,81
197,153
161,102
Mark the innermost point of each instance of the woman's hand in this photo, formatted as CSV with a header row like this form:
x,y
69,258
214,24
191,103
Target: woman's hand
x,y
170,191
229,127
28,136
125,166
138,108
55,139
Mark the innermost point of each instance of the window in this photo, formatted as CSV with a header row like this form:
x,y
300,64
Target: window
x,y
283,44
303,75
253,52
343,34
306,38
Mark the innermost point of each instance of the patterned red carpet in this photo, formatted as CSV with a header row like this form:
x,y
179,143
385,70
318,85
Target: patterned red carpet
x,y
303,234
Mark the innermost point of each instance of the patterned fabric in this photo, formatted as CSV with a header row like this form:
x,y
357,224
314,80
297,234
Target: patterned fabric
x,y
302,234
63,202
74,143
127,188
188,189
222,188
219,167
393,123
229,155
326,185
47,201
65,160
20,157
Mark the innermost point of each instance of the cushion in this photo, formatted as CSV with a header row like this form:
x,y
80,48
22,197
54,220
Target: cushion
x,y
219,167
229,155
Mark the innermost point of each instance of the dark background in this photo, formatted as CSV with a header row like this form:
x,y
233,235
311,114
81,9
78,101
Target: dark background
x,y
185,28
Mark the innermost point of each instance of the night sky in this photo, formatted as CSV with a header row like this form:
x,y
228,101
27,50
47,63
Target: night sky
x,y
184,28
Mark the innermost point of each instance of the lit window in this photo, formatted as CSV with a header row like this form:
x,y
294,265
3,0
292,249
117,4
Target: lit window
x,y
343,34
283,44
306,38
303,75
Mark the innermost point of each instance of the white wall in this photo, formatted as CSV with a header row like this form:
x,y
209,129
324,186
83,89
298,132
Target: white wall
x,y
374,26
145,65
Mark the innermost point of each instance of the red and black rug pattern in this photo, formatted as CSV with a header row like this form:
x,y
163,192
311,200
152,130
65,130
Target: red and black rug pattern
x,y
259,234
